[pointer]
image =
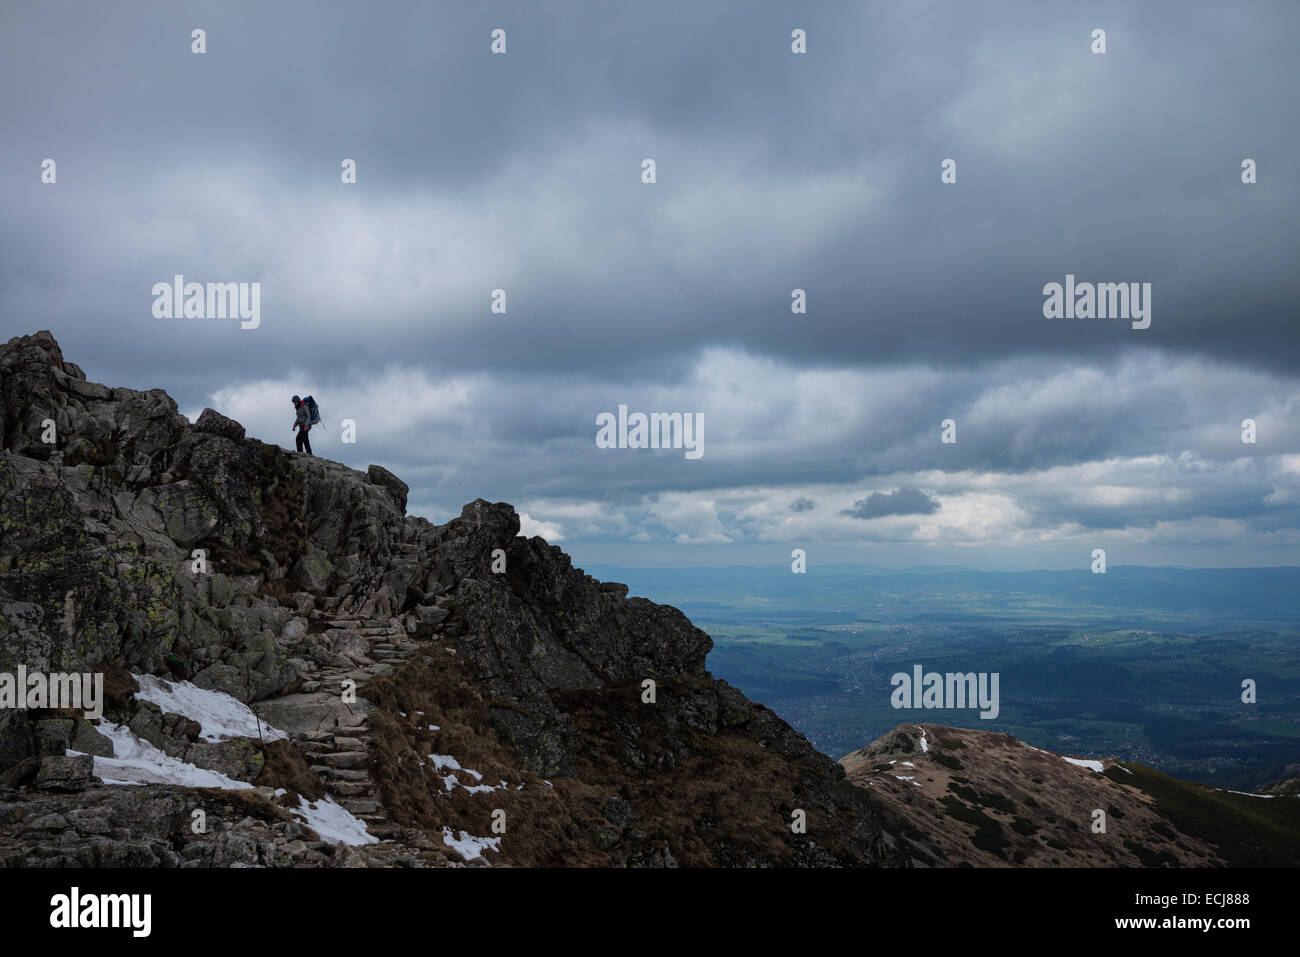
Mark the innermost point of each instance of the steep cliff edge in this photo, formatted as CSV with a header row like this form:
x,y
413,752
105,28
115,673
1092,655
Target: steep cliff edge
x,y
501,710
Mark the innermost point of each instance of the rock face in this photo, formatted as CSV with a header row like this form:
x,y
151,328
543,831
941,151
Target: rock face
x,y
134,543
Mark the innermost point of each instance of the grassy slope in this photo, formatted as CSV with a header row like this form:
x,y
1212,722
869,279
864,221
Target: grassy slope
x,y
1248,831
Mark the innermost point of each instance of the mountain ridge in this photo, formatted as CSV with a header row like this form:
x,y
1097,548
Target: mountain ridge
x,y
139,544
321,680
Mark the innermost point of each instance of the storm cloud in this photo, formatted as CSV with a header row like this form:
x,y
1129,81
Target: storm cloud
x,y
522,172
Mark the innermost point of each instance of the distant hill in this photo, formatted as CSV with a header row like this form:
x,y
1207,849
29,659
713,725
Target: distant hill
x,y
977,798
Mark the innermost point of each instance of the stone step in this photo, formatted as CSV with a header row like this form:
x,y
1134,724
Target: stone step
x,y
350,788
340,774
345,744
362,807
354,623
348,760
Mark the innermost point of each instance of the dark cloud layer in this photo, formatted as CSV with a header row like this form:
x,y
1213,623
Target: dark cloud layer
x,y
775,172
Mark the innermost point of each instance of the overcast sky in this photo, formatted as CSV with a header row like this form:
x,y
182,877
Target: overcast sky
x,y
775,171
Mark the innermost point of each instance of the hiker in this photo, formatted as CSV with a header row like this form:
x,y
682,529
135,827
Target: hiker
x,y
303,424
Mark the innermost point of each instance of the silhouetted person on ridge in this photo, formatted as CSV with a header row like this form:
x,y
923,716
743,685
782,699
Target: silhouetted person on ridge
x,y
303,424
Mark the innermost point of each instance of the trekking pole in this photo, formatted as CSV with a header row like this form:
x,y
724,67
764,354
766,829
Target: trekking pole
x,y
248,685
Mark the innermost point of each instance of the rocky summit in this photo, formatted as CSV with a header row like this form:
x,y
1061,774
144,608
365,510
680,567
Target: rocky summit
x,y
296,673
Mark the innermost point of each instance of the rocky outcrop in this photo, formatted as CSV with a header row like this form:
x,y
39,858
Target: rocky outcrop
x,y
427,675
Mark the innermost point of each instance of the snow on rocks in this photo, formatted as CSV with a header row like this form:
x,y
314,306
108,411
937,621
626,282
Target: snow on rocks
x,y
221,716
136,761
469,846
332,822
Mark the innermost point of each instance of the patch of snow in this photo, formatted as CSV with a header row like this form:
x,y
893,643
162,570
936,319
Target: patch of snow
x,y
332,822
1249,795
451,781
434,727
136,761
924,747
908,764
440,761
1090,765
469,846
221,716
895,761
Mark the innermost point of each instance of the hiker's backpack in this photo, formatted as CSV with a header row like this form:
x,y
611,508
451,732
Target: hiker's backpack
x,y
313,411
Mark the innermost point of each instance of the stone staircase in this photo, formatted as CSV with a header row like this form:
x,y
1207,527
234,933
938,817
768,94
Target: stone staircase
x,y
339,751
